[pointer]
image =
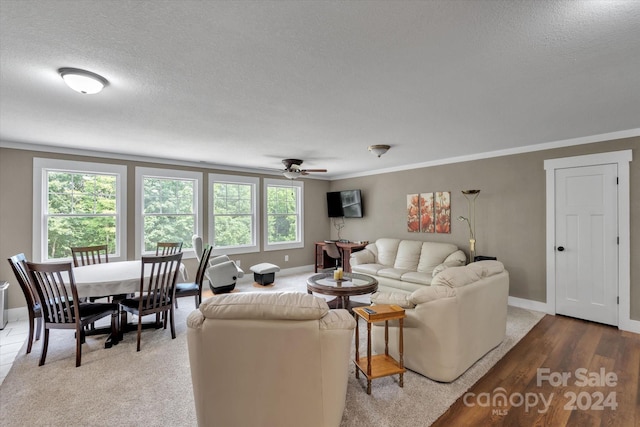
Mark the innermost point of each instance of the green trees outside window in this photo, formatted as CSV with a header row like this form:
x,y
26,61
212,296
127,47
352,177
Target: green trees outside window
x,y
282,214
81,211
168,211
233,215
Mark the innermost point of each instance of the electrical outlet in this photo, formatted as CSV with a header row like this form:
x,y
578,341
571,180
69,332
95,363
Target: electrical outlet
x,y
286,258
238,262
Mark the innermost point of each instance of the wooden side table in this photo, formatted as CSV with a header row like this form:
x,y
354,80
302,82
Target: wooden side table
x,y
380,365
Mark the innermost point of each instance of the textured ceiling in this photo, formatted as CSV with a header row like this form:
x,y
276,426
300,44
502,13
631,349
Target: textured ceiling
x,y
245,84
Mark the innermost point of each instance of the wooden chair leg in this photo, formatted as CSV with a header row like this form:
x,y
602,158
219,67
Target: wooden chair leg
x,y
45,345
31,328
79,341
139,330
173,325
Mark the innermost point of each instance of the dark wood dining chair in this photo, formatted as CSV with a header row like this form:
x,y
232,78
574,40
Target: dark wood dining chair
x,y
30,295
168,248
195,288
156,293
61,308
89,255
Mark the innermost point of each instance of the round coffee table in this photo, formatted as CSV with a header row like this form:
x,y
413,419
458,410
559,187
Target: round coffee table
x,y
352,284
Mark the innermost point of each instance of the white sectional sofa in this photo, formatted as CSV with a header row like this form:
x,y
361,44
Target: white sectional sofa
x,y
450,324
405,265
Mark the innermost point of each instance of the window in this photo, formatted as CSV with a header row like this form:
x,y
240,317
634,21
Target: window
x,y
168,208
77,204
283,210
233,225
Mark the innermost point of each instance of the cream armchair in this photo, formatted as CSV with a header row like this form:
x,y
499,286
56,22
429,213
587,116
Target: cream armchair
x,y
452,323
269,359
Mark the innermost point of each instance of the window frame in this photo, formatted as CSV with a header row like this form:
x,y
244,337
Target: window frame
x,y
144,172
41,167
235,179
269,182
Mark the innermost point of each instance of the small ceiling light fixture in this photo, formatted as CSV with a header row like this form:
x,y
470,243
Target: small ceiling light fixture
x,y
379,149
292,174
83,81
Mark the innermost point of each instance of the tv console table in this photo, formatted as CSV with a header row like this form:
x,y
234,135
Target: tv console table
x,y
324,261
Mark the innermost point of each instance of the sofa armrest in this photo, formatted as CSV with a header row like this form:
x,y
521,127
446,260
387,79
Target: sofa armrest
x,y
364,256
396,298
430,293
337,319
456,259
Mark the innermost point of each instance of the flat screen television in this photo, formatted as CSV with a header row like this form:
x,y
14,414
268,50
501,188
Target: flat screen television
x,y
334,204
346,204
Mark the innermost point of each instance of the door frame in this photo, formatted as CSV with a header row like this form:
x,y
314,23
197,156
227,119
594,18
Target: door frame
x,y
622,159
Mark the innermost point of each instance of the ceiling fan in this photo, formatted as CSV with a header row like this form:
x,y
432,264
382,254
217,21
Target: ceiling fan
x,y
292,168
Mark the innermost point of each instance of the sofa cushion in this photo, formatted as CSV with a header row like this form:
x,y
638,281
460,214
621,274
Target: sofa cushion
x,y
417,277
278,306
456,259
408,255
387,251
432,254
456,277
368,268
392,273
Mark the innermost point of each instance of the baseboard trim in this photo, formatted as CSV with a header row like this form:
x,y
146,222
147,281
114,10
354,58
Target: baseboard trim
x,y
630,325
18,313
528,304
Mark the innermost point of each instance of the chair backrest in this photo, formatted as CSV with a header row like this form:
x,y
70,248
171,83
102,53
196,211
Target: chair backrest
x,y
332,249
157,289
88,255
202,267
59,302
19,269
168,248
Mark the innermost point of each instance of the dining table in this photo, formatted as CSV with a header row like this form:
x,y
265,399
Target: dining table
x,y
113,278
116,280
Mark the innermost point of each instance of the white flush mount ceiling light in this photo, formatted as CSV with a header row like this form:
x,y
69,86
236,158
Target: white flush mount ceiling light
x,y
379,149
293,174
82,81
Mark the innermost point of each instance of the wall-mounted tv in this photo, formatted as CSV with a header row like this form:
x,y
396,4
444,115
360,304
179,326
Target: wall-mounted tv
x,y
346,204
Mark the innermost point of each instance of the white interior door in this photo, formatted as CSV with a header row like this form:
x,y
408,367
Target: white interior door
x,y
586,243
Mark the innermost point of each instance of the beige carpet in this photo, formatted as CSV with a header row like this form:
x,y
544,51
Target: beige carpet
x,y
121,387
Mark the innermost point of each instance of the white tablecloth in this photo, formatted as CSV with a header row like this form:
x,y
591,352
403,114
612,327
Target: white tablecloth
x,y
112,278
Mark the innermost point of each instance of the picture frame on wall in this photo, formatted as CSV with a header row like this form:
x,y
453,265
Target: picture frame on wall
x,y
413,213
443,211
427,222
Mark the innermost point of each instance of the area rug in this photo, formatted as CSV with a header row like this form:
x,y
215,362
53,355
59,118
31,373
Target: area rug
x,y
119,386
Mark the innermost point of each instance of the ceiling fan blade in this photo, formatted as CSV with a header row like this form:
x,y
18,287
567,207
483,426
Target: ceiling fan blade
x,y
314,170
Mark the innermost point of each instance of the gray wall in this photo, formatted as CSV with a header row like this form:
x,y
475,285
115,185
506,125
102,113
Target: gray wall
x,y
510,210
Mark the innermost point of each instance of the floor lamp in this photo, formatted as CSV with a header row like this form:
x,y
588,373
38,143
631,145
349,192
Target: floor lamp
x,y
471,196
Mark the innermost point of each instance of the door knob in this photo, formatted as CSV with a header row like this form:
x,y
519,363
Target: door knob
x,y
560,248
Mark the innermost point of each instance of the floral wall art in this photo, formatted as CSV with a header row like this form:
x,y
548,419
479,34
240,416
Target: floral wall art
x,y
429,212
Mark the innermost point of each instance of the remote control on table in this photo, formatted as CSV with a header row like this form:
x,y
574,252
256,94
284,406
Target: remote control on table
x,y
368,310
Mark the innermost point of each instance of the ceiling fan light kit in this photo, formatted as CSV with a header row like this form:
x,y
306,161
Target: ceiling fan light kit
x,y
379,149
83,81
292,169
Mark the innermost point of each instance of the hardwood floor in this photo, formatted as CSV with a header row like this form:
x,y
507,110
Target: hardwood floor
x,y
601,370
